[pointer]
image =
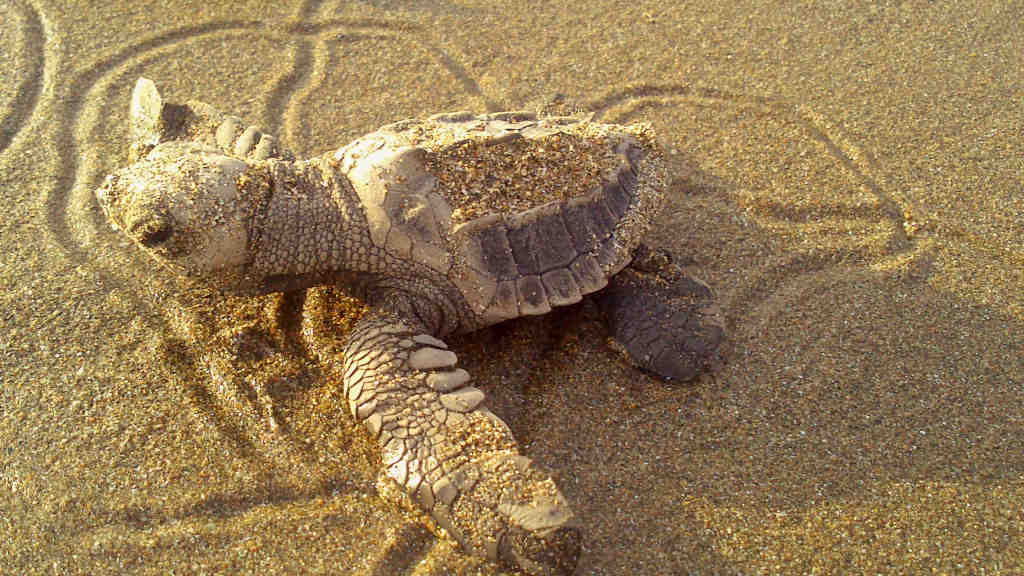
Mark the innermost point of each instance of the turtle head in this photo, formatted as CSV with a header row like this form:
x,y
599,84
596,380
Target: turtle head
x,y
183,203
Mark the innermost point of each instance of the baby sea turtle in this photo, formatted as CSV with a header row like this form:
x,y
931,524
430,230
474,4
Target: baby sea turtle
x,y
442,226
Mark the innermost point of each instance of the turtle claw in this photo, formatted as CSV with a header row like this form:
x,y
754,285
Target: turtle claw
x,y
513,514
661,318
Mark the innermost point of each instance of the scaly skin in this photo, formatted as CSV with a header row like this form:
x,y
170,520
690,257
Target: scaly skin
x,y
221,204
454,457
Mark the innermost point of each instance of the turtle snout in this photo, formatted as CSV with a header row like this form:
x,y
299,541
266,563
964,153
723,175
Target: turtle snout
x,y
151,230
106,194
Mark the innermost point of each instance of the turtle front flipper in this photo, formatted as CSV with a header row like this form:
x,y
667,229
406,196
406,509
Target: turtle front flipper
x,y
664,320
455,458
154,121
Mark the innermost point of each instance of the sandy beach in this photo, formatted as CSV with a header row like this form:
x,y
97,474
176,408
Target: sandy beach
x,y
848,179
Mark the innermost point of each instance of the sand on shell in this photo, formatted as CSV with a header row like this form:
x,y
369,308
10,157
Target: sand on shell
x,y
847,179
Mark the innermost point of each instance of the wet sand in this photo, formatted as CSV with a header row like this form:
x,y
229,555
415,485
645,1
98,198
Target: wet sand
x,y
847,179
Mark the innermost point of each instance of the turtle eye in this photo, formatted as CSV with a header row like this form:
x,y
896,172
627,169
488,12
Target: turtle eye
x,y
152,232
153,237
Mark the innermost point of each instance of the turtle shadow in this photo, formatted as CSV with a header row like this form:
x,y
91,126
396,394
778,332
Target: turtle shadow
x,y
854,391
803,424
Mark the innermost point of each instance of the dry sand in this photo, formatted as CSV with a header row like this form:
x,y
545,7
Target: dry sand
x,y
848,178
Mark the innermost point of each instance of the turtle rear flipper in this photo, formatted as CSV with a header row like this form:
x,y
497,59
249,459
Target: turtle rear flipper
x,y
453,457
664,320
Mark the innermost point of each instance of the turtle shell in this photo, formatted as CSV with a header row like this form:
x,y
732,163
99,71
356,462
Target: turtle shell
x,y
521,213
